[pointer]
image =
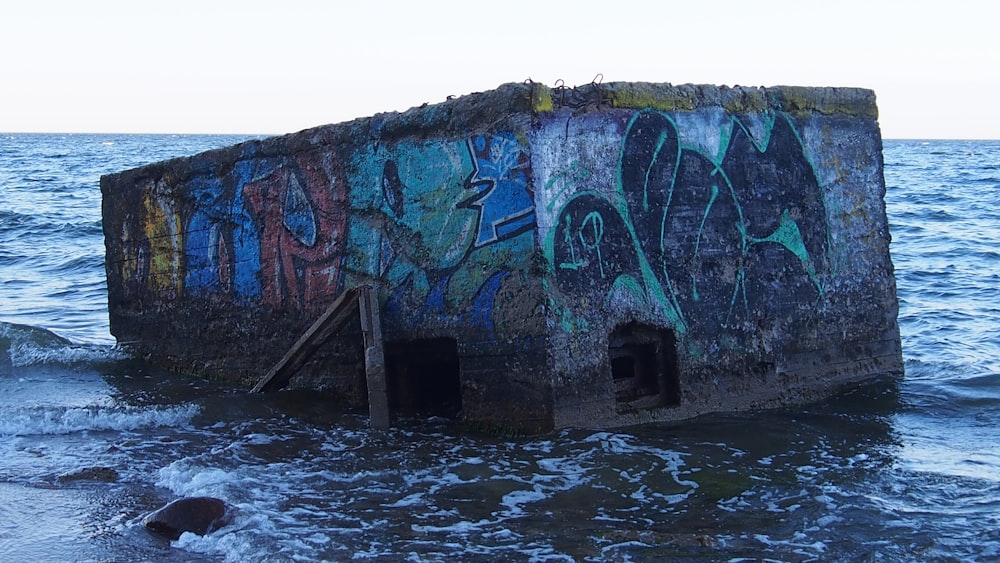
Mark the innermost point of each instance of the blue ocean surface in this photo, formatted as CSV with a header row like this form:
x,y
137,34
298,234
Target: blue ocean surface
x,y
92,440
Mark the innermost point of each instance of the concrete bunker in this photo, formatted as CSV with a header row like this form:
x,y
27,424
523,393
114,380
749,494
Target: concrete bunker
x,y
715,241
644,366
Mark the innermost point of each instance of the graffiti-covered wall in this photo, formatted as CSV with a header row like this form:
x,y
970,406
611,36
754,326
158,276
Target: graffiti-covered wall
x,y
218,262
747,224
588,253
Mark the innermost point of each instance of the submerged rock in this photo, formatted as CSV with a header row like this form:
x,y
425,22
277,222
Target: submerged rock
x,y
199,515
103,474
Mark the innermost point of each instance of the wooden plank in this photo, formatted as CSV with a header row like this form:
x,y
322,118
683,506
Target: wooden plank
x,y
371,328
332,320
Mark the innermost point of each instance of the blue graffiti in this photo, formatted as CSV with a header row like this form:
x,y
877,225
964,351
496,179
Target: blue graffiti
x,y
502,194
222,245
434,308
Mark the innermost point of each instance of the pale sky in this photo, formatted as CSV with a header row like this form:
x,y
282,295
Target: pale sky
x,y
278,66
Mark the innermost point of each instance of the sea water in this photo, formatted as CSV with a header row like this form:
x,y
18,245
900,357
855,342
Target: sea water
x,y
91,440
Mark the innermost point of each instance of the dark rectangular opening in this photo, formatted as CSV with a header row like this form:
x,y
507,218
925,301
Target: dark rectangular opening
x,y
644,366
423,377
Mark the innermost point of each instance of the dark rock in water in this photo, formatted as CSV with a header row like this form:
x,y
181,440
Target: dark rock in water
x,y
104,474
199,515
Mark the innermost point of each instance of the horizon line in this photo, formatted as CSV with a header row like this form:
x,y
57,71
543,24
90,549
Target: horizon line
x,y
265,135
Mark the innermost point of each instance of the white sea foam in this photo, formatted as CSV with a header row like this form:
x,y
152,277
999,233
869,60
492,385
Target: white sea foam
x,y
247,538
460,527
186,478
29,345
61,420
515,501
793,544
415,499
28,354
259,439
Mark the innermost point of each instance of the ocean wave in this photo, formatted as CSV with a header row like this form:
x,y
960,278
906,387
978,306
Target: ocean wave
x,y
46,420
29,346
186,478
56,226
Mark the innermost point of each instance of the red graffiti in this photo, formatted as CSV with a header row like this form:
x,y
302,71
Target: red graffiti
x,y
300,210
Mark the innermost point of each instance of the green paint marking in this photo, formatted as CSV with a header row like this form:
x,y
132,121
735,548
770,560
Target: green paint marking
x,y
574,263
645,180
762,144
725,136
816,174
788,235
571,176
655,291
701,228
596,222
629,285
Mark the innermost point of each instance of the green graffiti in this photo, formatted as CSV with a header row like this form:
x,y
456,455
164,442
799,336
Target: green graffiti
x,y
664,297
677,214
569,177
629,285
701,229
595,223
573,263
788,235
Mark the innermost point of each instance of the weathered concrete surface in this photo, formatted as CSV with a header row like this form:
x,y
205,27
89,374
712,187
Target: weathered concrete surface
x,y
546,257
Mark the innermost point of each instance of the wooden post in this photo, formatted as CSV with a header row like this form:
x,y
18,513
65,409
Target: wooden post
x,y
371,328
329,322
